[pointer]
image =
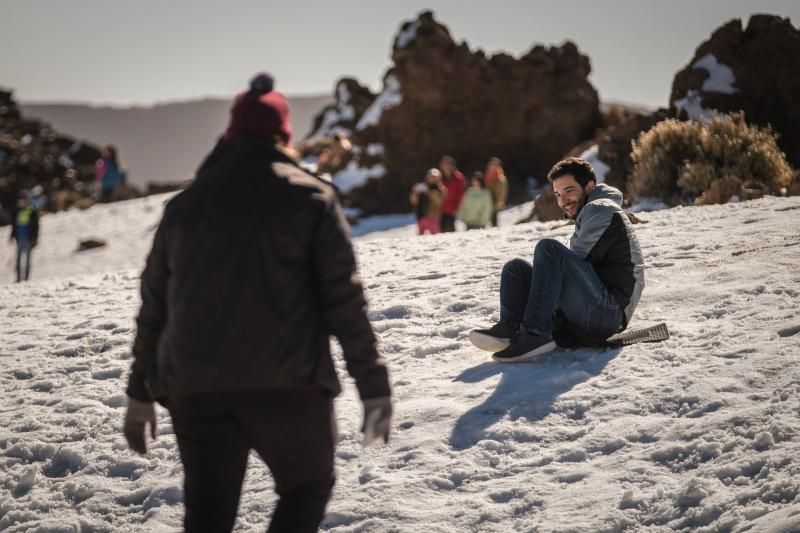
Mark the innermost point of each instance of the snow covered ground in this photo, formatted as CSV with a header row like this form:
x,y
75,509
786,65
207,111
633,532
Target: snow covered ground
x,y
698,433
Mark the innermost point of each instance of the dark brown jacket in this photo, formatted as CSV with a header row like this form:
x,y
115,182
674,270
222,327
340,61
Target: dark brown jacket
x,y
251,270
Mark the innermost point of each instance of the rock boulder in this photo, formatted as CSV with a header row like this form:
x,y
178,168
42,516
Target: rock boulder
x,y
440,97
751,69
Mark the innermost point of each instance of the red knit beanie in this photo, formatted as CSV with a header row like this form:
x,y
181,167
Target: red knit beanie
x,y
260,112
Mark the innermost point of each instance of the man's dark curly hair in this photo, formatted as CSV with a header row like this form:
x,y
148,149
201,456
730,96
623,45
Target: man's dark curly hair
x,y
574,166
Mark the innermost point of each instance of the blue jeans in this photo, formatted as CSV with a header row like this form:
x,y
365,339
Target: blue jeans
x,y
24,247
558,279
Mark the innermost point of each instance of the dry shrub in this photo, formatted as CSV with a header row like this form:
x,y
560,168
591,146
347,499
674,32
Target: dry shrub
x,y
794,187
708,162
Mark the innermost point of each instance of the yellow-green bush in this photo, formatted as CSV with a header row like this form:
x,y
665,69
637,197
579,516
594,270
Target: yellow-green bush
x,y
707,162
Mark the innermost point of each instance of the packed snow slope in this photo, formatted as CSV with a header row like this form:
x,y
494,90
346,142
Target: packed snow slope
x,y
698,433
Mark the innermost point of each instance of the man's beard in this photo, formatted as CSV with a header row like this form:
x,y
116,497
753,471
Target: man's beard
x,y
581,203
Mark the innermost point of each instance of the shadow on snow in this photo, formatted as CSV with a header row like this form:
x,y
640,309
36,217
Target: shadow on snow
x,y
525,390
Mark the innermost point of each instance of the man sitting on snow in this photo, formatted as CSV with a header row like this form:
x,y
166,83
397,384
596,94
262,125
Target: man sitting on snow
x,y
590,288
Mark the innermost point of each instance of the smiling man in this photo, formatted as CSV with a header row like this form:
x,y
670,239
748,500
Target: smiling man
x,y
593,286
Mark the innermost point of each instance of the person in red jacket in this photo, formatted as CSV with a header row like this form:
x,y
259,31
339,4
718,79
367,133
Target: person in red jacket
x,y
455,183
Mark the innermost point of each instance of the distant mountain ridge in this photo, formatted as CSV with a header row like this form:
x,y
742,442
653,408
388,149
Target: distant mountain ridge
x,y
163,142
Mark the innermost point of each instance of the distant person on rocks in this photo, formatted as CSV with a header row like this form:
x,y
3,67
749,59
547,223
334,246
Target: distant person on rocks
x,y
25,231
109,174
332,157
497,184
453,180
427,199
476,206
251,270
590,289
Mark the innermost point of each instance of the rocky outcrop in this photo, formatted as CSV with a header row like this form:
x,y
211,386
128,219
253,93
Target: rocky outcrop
x,y
351,101
751,69
735,70
441,98
33,156
614,145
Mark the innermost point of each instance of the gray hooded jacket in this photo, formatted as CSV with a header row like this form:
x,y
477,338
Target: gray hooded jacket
x,y
604,236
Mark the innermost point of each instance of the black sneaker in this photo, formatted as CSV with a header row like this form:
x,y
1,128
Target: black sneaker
x,y
526,346
494,339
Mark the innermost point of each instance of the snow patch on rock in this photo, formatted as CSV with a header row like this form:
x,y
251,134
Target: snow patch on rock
x,y
375,149
339,112
353,175
390,97
593,158
692,104
720,80
405,37
720,76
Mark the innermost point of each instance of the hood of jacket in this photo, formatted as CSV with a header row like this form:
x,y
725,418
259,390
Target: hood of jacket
x,y
606,192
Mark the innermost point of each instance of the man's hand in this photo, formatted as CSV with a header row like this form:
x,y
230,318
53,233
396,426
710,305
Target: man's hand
x,y
137,417
377,419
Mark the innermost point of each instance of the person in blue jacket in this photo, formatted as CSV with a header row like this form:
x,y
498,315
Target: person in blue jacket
x,y
24,230
109,173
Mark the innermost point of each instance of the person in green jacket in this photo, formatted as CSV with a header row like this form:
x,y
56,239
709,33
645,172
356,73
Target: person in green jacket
x,y
476,207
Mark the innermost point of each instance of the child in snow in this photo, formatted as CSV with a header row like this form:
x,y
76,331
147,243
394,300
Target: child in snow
x,y
476,206
427,199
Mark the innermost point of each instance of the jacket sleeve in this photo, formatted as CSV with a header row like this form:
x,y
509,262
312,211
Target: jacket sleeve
x,y
594,220
344,307
151,319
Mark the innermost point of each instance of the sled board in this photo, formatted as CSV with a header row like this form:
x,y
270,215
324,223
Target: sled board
x,y
656,333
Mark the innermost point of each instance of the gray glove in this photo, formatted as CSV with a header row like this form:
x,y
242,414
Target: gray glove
x,y
137,416
377,419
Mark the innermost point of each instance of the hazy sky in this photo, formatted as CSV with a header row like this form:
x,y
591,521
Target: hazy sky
x,y
147,51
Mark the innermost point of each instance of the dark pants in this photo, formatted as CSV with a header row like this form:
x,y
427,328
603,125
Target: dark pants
x,y
106,193
292,430
24,248
558,279
494,217
448,223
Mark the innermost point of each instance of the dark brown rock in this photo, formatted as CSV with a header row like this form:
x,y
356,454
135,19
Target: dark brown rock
x,y
764,79
441,98
545,208
614,145
8,107
89,244
35,156
32,155
162,187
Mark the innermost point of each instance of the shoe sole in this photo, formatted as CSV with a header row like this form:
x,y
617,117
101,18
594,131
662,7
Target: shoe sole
x,y
487,342
529,356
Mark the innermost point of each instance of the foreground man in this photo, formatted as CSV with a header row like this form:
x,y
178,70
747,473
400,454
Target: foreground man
x,y
592,287
251,270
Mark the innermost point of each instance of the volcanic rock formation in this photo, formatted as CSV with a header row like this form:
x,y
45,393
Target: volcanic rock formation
x,y
750,69
33,154
441,98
